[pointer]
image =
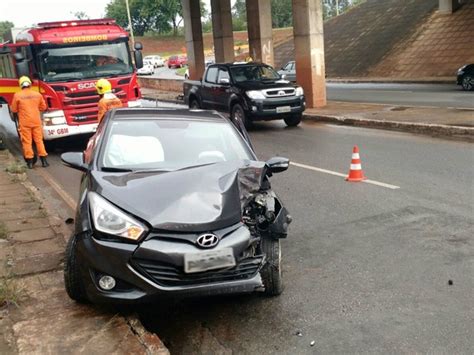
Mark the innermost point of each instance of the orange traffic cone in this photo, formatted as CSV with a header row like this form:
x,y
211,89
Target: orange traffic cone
x,y
355,173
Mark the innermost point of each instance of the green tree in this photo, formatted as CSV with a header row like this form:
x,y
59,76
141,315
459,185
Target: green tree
x,y
239,16
282,13
160,16
5,27
80,15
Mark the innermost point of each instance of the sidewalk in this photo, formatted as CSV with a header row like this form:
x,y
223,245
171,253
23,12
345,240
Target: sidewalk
x,y
36,315
444,122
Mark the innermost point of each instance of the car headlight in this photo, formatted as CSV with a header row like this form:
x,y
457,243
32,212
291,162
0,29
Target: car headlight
x,y
255,95
110,220
54,118
299,91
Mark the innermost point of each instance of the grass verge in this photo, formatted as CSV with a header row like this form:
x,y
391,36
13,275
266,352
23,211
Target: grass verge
x,y
10,292
3,231
16,168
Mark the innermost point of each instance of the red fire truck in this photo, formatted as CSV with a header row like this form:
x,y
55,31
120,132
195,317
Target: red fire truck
x,y
64,60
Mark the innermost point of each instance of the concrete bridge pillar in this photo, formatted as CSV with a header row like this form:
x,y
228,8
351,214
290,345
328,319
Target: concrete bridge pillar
x,y
222,31
259,24
448,6
309,50
193,37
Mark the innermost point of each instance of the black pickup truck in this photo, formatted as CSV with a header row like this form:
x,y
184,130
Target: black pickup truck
x,y
248,91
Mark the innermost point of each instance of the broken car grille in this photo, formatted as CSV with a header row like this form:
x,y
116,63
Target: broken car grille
x,y
170,275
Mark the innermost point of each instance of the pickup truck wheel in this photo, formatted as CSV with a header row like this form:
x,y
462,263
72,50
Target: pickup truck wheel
x,y
72,275
271,271
194,104
293,121
468,83
238,114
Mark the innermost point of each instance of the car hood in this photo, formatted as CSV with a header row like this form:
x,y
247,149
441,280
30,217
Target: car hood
x,y
262,85
195,199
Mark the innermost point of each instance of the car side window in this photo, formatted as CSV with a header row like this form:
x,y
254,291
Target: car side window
x,y
223,74
211,76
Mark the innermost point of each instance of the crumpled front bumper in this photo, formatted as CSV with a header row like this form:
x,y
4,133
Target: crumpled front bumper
x,y
154,268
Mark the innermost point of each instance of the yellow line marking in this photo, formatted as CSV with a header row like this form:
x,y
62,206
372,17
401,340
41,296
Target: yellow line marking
x,y
61,192
335,173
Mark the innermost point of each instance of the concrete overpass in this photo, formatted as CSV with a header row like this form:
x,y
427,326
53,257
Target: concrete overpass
x,y
307,31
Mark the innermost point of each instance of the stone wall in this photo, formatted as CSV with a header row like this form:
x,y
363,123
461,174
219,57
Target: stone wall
x,y
162,84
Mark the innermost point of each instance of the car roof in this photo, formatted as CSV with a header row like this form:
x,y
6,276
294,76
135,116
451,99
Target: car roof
x,y
239,64
166,114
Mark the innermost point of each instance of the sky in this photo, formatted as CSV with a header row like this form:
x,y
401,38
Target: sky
x,y
24,13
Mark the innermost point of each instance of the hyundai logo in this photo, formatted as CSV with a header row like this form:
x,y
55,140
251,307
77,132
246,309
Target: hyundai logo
x,y
207,240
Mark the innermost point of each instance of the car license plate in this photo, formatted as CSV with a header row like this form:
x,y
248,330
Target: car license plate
x,y
208,260
283,109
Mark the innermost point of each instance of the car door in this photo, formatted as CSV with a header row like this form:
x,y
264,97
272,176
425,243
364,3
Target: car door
x,y
223,90
290,71
209,87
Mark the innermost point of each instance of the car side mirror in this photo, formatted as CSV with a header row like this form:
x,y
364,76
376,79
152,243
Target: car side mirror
x,y
224,81
74,160
278,164
22,65
283,77
138,46
138,59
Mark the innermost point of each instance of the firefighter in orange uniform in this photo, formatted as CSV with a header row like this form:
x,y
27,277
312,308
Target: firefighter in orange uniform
x,y
108,100
28,104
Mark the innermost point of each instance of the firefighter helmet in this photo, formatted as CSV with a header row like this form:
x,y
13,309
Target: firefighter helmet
x,y
103,86
24,81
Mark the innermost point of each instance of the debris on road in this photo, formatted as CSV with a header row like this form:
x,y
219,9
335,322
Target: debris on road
x,y
450,282
313,343
299,334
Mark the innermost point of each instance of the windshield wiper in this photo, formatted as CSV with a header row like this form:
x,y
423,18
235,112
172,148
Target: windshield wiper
x,y
116,170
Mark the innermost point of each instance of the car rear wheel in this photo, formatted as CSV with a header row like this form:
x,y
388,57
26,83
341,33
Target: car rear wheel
x,y
238,115
271,271
468,83
194,104
72,274
293,121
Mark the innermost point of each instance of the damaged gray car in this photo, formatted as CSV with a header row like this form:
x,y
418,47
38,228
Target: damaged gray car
x,y
173,202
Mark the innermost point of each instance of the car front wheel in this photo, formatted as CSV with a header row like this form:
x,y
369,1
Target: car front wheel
x,y
72,274
194,104
237,114
293,121
468,83
271,271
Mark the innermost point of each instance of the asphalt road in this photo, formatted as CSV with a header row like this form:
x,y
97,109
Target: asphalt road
x,y
366,267
432,95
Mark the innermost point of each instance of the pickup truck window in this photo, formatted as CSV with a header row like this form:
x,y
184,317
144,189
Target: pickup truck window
x,y
211,76
223,74
254,73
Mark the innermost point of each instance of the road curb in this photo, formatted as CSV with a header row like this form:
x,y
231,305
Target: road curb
x,y
455,132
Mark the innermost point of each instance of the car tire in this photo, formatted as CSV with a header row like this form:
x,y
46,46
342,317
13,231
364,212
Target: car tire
x,y
293,121
72,273
194,104
271,272
468,83
237,113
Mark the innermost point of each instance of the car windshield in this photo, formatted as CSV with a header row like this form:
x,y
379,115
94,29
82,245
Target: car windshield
x,y
254,73
59,63
170,145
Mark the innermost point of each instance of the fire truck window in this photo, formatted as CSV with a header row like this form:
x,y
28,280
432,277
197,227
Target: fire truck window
x,y
6,67
84,61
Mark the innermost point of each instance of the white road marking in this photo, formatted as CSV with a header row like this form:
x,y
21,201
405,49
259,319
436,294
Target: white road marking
x,y
335,173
